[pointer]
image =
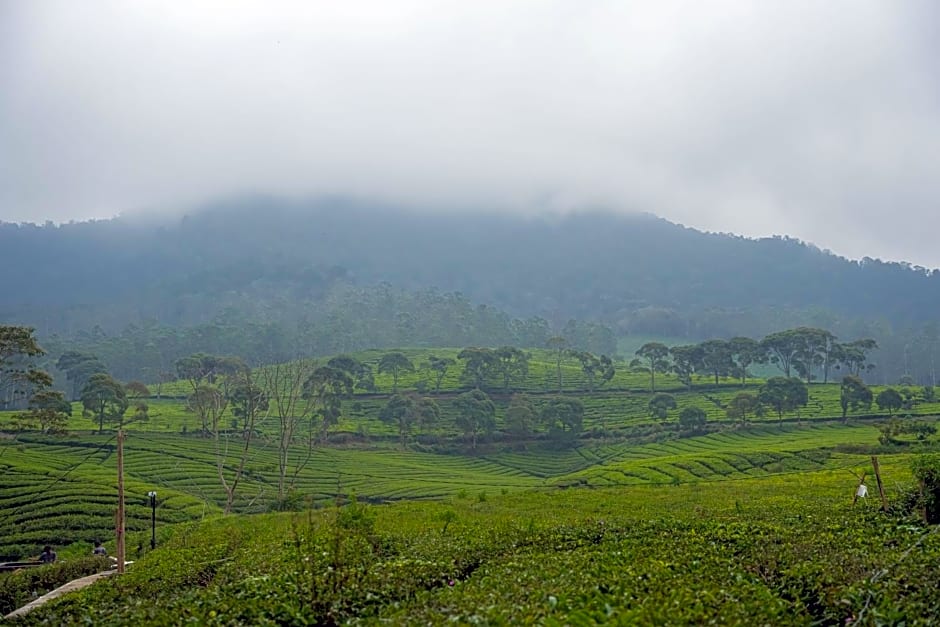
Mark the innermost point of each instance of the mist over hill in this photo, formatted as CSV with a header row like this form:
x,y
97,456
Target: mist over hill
x,y
262,261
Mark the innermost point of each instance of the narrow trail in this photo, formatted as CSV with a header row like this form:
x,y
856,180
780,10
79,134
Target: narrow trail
x,y
76,584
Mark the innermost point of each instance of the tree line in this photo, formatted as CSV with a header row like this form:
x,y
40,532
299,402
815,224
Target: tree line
x,y
811,353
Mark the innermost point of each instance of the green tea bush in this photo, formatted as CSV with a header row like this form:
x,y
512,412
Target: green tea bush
x,y
22,586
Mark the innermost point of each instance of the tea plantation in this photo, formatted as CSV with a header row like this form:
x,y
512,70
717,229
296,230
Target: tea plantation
x,y
636,520
788,549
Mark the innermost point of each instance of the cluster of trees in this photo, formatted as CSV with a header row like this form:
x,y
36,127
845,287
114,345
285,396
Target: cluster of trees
x,y
562,418
351,319
25,386
805,351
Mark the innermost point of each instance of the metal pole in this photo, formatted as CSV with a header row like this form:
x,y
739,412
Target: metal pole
x,y
120,510
153,519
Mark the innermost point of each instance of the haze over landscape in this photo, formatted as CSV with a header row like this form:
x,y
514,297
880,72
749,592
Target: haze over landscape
x,y
517,312
808,119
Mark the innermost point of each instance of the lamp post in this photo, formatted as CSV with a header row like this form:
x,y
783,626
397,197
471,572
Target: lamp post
x,y
153,519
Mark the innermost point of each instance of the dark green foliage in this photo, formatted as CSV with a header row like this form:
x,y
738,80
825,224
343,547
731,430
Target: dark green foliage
x,y
889,400
79,368
476,414
854,394
19,377
479,363
564,418
926,470
408,412
686,361
104,398
511,364
692,418
742,406
20,587
439,366
521,416
660,404
652,357
717,358
784,394
395,363
48,410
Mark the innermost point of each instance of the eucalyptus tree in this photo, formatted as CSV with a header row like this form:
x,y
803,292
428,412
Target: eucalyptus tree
x,y
853,394
652,357
783,394
439,366
395,363
250,403
746,351
512,364
717,358
564,417
558,345
521,416
660,405
104,398
478,364
686,361
476,414
285,386
408,412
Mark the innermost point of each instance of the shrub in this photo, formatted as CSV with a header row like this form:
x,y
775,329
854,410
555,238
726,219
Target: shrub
x,y
926,469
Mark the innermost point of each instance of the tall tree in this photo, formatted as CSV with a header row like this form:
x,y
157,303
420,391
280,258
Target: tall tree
x,y
79,368
784,349
250,403
853,394
520,416
558,345
717,358
692,418
360,372
512,364
742,405
326,388
395,363
660,405
439,366
104,398
284,383
746,351
656,358
476,414
686,361
564,418
783,394
478,363
854,356
49,410
408,412
889,399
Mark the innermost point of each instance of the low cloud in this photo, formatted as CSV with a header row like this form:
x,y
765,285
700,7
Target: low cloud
x,y
814,119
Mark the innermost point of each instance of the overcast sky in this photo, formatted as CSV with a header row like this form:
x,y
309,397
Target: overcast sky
x,y
816,119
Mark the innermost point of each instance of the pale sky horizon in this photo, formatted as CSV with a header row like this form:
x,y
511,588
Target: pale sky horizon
x,y
817,120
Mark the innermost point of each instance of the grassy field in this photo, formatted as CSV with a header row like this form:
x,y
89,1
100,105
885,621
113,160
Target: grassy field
x,y
749,551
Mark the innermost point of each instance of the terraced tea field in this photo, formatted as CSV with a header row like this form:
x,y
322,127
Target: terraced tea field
x,y
61,490
783,549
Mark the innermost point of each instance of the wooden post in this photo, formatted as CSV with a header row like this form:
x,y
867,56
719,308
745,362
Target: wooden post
x,y
120,509
881,489
861,481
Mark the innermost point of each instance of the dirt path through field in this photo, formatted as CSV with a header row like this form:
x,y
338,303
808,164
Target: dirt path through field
x,y
76,584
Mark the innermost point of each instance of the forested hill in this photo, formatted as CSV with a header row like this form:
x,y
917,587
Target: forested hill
x,y
636,272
